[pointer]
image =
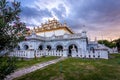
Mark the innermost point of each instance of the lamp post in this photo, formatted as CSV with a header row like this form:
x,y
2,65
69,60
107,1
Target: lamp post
x,y
60,67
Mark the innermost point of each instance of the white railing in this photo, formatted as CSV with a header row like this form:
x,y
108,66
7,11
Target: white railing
x,y
35,53
22,53
38,53
97,54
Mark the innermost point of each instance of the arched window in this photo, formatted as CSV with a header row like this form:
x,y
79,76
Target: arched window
x,y
59,48
92,49
18,47
48,47
40,47
26,47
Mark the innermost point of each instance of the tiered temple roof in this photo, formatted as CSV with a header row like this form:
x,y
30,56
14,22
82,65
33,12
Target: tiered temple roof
x,y
52,25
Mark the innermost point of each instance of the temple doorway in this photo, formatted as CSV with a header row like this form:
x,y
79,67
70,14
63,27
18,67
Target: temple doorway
x,y
72,46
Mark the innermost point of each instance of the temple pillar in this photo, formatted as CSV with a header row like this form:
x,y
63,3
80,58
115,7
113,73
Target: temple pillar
x,y
65,51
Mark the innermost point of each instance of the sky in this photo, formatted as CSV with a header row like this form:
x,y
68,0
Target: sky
x,y
100,17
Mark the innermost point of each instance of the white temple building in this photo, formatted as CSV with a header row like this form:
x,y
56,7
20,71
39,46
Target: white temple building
x,y
56,39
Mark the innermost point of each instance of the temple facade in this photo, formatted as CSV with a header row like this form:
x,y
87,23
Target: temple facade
x,y
56,39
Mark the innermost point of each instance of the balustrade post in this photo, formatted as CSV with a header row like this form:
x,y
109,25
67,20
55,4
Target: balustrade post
x,y
65,52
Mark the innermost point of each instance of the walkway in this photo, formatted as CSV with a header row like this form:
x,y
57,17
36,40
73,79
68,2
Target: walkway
x,y
24,71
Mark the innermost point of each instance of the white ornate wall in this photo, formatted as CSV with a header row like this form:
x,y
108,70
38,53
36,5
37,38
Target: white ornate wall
x,y
74,45
54,32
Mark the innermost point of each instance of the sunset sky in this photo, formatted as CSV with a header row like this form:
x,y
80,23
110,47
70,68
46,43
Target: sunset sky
x,y
100,17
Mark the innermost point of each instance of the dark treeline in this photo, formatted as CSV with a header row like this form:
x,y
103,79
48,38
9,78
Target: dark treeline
x,y
111,44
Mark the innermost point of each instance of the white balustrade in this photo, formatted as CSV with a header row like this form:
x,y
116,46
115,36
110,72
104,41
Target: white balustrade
x,y
39,53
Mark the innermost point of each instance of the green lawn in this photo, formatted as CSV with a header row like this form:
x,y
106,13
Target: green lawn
x,y
26,63
79,69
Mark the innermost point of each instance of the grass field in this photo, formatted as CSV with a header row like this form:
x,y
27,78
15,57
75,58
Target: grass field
x,y
79,69
25,63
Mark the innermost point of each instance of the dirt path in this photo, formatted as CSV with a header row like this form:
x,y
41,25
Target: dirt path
x,y
24,71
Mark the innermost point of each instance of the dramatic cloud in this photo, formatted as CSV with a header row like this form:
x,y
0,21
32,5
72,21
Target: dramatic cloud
x,y
101,17
33,16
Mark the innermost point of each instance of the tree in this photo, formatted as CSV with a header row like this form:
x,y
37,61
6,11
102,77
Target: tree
x,y
117,42
12,31
7,65
107,43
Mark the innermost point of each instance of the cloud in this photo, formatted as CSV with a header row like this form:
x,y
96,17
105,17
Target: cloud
x,y
96,11
97,15
60,12
33,16
40,10
34,12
